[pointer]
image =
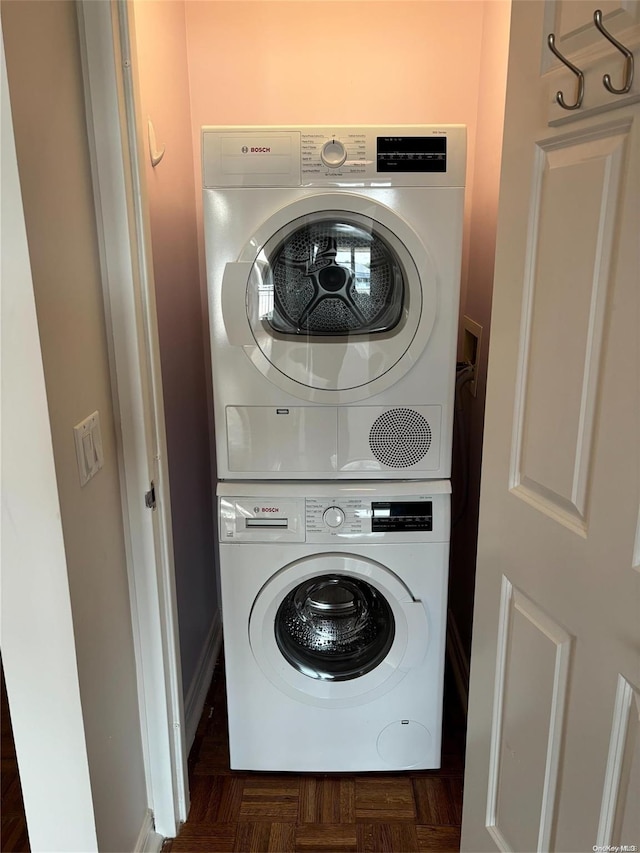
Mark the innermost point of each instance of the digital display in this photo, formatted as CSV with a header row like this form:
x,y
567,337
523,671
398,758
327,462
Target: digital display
x,y
401,515
411,154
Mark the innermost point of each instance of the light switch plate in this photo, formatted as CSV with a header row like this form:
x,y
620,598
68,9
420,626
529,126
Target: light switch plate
x,y
88,439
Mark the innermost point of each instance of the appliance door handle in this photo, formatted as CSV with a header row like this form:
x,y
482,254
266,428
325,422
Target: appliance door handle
x,y
417,634
234,307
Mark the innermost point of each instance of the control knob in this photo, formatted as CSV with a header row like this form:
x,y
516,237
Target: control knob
x,y
333,516
333,153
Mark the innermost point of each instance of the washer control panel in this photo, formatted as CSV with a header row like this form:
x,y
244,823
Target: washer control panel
x,y
356,516
332,517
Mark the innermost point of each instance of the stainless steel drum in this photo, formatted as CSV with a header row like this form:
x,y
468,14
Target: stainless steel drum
x,y
334,627
335,277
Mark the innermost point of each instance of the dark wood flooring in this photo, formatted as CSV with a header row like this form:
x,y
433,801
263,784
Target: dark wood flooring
x,y
246,812
13,826
292,813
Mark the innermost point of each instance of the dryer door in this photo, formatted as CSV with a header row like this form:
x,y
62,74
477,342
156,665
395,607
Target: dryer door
x,y
340,297
333,629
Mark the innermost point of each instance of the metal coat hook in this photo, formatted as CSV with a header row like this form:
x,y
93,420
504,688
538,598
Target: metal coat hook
x,y
551,41
154,153
628,58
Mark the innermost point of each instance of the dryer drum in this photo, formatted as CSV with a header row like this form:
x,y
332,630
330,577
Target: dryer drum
x,y
335,277
334,627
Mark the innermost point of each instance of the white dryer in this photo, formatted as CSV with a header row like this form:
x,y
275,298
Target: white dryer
x,y
334,613
333,265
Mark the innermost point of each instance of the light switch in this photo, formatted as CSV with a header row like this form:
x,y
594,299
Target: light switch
x,y
89,453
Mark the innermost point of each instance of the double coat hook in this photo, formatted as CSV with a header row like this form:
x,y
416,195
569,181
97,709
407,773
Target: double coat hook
x,y
628,67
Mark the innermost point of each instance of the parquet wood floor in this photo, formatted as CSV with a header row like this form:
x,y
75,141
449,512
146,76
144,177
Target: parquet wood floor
x,y
318,813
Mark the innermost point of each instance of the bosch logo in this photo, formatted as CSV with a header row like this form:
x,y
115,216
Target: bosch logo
x,y
270,509
260,150
245,150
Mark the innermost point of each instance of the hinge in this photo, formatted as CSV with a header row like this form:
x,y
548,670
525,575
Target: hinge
x,y
150,497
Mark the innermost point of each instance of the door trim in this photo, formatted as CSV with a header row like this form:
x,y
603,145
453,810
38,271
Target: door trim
x,y
115,142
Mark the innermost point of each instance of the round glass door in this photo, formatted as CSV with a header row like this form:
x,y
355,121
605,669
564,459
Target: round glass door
x,y
332,276
334,627
331,629
334,301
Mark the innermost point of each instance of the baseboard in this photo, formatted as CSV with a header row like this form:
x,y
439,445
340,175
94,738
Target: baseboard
x,y
148,839
459,661
197,693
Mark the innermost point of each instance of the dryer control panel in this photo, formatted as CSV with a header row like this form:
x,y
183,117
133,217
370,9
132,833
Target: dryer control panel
x,y
405,155
335,517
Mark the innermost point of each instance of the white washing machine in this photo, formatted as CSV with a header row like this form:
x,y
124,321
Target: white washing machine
x,y
333,264
334,613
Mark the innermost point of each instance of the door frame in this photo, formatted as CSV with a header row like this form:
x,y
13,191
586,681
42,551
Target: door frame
x,y
115,143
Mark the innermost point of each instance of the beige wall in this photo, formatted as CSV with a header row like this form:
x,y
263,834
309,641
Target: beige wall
x,y
45,81
271,62
352,62
163,85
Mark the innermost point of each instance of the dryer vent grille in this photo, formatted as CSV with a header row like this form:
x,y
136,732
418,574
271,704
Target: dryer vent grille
x,y
400,438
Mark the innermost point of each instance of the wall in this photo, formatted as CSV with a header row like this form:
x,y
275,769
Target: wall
x,y
309,62
476,303
45,81
344,62
163,88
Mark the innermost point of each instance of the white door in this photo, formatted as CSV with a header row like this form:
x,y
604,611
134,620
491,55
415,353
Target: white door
x,y
552,757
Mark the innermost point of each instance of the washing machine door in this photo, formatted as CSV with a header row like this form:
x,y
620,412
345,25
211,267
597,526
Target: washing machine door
x,y
336,630
339,296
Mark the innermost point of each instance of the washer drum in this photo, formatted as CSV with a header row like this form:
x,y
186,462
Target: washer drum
x,y
334,627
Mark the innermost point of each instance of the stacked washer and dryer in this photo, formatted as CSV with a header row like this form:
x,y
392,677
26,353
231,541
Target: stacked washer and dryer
x,y
333,265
